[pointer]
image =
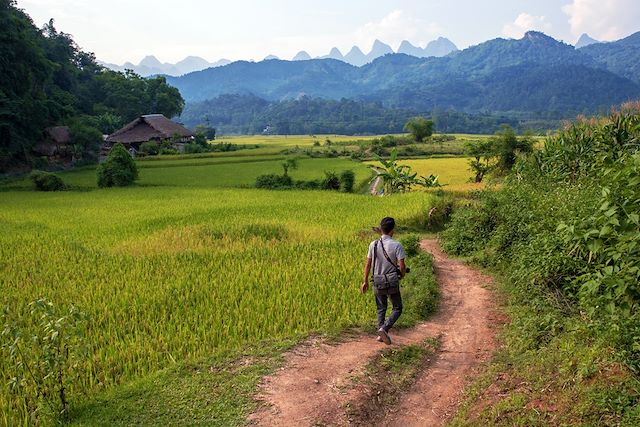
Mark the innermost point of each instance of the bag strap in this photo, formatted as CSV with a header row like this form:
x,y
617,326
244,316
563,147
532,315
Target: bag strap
x,y
375,251
384,252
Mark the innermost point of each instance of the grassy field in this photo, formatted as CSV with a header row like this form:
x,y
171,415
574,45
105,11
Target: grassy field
x,y
453,172
213,172
193,267
183,268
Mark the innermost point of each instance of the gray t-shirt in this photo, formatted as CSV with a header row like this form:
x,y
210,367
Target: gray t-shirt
x,y
394,250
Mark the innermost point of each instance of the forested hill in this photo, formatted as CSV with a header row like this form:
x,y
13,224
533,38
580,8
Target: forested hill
x,y
535,73
620,57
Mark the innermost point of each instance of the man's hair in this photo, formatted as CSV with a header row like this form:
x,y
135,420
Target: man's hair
x,y
387,225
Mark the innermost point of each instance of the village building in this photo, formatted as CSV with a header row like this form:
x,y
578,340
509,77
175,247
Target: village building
x,y
150,128
55,144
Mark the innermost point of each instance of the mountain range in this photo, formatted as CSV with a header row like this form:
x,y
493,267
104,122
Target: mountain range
x,y
534,74
150,65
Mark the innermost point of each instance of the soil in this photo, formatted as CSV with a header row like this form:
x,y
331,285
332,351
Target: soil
x,y
317,379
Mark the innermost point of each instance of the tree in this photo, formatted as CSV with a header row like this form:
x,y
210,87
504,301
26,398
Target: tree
x,y
482,154
119,170
420,128
208,131
506,146
289,164
85,140
347,179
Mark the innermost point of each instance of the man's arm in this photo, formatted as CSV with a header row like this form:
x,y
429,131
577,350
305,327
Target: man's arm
x,y
403,268
367,270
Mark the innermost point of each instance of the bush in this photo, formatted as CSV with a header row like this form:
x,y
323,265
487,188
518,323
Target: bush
x,y
347,179
274,181
149,148
119,170
308,185
45,181
86,141
331,181
411,244
194,148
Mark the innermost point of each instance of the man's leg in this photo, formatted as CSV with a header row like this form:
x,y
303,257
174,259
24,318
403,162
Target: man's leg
x,y
381,304
396,310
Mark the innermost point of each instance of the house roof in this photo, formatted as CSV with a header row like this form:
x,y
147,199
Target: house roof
x,y
148,127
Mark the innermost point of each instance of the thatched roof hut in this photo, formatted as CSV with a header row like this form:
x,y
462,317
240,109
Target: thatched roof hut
x,y
55,142
151,127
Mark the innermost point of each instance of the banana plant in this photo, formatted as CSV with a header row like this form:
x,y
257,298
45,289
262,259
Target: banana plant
x,y
395,178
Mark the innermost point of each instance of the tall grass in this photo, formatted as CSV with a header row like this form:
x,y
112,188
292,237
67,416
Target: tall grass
x,y
175,273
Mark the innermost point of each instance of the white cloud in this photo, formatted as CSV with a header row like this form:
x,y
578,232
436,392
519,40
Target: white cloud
x,y
603,19
396,27
525,22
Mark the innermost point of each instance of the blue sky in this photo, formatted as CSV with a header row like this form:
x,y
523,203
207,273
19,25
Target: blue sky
x,y
127,30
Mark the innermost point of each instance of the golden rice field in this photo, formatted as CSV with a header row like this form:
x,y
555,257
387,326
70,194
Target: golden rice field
x,y
177,273
453,172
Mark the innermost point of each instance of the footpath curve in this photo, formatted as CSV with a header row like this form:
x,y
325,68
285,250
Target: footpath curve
x,y
317,378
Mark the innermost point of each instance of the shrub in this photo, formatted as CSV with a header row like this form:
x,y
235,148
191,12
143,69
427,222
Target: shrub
x,y
347,179
274,181
308,185
149,148
86,141
119,170
331,181
45,181
411,244
194,148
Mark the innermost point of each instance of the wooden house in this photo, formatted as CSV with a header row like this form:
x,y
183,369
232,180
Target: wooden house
x,y
149,128
55,144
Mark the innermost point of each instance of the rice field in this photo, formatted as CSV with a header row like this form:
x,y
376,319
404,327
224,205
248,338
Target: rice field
x,y
178,272
212,172
453,172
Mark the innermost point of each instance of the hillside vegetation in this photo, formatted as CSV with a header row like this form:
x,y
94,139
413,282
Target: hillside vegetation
x,y
498,75
564,233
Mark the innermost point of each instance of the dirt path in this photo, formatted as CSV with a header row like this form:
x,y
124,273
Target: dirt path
x,y
316,381
373,189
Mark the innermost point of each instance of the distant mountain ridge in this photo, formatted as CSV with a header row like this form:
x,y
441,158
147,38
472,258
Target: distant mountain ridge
x,y
535,73
150,65
585,40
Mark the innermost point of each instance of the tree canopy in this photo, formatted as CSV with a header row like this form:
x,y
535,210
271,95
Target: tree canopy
x,y
48,80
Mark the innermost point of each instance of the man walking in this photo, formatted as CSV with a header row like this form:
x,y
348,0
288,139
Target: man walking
x,y
386,259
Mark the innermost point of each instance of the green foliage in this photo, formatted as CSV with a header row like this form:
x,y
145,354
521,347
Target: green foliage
x,y
149,148
347,180
420,128
206,130
567,223
411,244
247,114
274,181
481,152
44,359
47,81
608,242
331,181
200,139
119,170
46,181
289,164
86,141
399,178
506,146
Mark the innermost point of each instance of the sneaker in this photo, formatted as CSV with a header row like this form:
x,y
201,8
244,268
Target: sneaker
x,y
379,339
384,336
